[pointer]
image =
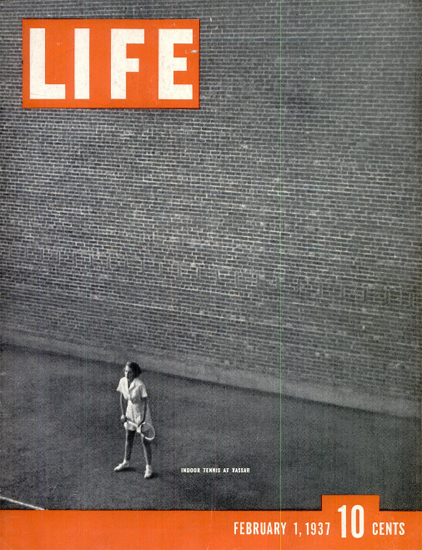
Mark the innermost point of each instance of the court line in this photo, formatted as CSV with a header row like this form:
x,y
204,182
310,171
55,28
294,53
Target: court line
x,y
20,503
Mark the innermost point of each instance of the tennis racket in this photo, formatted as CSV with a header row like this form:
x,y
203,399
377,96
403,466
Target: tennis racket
x,y
145,429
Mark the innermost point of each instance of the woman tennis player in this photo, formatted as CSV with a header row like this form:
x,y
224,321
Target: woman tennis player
x,y
137,415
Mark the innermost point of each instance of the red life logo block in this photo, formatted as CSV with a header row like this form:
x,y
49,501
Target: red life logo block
x,y
110,63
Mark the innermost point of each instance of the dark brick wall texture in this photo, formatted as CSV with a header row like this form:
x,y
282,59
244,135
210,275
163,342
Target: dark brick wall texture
x,y
351,193
187,232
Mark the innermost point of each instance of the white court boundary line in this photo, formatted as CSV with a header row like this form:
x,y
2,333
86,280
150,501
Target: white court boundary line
x,y
20,503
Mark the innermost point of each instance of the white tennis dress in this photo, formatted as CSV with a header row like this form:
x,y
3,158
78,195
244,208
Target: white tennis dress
x,y
134,394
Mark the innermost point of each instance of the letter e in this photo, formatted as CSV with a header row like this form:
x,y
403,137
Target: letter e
x,y
168,64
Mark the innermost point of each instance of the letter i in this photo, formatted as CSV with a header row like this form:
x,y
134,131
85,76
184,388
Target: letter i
x,y
81,63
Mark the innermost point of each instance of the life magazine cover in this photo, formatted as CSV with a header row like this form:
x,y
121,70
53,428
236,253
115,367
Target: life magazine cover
x,y
210,274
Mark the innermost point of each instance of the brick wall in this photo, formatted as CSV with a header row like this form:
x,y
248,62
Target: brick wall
x,y
151,230
159,231
351,203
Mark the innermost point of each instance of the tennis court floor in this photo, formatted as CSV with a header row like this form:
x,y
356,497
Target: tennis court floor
x,y
61,439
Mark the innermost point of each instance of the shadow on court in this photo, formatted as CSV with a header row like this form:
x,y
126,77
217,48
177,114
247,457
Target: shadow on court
x,y
61,438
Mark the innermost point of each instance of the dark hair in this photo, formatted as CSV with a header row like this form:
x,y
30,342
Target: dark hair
x,y
134,367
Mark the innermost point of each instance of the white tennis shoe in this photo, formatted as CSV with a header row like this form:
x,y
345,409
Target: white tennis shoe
x,y
122,466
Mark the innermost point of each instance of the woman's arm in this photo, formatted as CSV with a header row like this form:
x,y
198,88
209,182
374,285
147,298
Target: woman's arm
x,y
122,409
144,404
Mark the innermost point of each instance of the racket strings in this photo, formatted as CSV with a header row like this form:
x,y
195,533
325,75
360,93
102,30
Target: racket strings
x,y
148,431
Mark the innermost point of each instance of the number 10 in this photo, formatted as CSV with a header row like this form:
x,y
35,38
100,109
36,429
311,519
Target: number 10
x,y
357,530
